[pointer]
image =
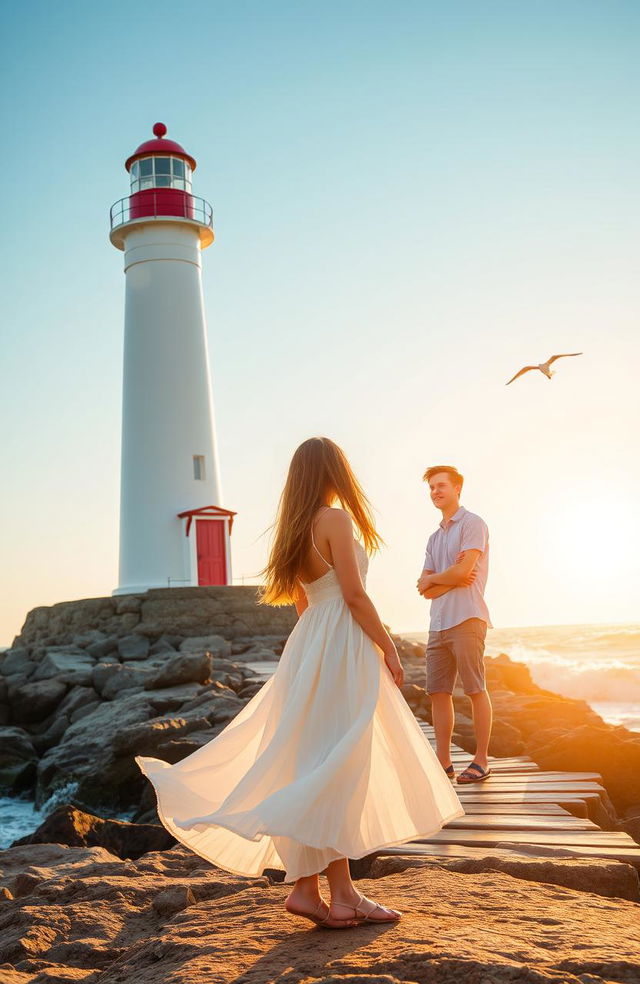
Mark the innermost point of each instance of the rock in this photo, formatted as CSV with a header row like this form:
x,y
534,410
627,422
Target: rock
x,y
89,638
102,672
162,645
18,758
597,749
127,678
103,648
184,667
75,828
16,660
77,697
611,879
171,916
511,675
133,647
214,644
35,701
85,756
173,900
83,711
258,654
128,604
147,737
72,667
632,827
52,735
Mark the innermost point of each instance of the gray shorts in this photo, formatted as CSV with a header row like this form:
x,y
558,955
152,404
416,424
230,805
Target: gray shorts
x,y
459,649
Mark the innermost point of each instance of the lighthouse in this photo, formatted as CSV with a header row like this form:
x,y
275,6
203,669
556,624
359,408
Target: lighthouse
x,y
174,531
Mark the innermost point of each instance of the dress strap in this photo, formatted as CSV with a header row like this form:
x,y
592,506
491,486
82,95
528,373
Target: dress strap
x,y
330,566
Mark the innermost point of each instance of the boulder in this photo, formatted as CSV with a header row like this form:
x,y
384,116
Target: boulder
x,y
133,647
162,645
16,660
102,672
214,644
85,756
135,677
75,828
103,647
77,697
147,737
18,758
32,702
72,667
184,667
598,749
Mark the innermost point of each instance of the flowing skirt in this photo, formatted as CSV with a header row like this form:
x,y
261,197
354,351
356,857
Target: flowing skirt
x,y
325,761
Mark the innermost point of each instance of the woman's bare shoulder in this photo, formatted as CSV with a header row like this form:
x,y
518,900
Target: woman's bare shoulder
x,y
336,519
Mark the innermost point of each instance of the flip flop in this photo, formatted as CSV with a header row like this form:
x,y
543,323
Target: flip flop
x,y
473,773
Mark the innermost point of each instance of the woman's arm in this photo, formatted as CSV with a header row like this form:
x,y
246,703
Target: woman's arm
x,y
338,528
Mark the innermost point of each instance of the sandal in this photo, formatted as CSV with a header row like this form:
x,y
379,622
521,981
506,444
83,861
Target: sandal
x,y
473,773
327,921
367,915
451,772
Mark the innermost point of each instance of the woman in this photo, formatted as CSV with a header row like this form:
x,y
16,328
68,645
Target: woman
x,y
326,762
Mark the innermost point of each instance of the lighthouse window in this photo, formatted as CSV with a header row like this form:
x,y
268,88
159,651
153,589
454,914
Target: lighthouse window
x,y
160,172
198,467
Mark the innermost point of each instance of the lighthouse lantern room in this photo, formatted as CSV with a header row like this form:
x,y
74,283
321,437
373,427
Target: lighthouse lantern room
x,y
170,473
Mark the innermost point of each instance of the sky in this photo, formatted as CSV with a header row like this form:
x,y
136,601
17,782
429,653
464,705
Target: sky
x,y
411,200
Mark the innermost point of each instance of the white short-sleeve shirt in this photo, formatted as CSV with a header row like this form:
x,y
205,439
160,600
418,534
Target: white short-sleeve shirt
x,y
464,531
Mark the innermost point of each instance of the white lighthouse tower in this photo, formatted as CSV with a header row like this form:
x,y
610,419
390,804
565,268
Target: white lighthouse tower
x,y
174,531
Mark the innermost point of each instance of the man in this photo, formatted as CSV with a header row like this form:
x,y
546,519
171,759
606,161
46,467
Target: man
x,y
454,578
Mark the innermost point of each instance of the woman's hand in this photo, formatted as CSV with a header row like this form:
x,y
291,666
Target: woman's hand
x,y
394,666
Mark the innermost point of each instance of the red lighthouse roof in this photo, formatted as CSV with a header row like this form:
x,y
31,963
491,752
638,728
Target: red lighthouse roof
x,y
160,146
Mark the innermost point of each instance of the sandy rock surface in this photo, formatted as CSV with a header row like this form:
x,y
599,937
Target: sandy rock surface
x,y
80,914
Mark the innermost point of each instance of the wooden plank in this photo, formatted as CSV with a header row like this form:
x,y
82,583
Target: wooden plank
x,y
577,838
483,821
439,851
517,809
583,779
500,785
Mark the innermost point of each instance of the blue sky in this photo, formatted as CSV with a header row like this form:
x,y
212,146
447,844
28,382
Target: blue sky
x,y
411,201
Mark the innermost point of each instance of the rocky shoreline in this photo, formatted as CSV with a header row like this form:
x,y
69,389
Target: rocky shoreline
x,y
88,685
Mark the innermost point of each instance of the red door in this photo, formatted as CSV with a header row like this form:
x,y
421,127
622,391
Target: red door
x,y
210,547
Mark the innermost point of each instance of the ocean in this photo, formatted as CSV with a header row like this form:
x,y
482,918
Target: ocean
x,y
596,663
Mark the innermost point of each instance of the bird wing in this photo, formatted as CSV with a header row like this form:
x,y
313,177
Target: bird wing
x,y
526,369
565,355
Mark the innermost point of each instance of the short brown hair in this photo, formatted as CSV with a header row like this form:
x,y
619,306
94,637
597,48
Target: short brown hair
x,y
456,477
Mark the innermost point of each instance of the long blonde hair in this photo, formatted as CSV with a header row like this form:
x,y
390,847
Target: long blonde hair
x,y
319,469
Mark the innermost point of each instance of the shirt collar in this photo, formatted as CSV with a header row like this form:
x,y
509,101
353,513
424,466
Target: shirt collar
x,y
458,514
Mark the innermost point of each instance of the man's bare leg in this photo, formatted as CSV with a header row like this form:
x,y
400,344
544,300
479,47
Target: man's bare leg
x,y
443,721
482,719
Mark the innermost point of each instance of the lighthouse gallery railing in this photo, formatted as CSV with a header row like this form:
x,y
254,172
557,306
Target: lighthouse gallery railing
x,y
156,206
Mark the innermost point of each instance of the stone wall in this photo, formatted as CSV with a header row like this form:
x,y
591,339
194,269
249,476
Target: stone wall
x,y
232,612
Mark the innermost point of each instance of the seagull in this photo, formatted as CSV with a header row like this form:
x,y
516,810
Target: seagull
x,y
544,366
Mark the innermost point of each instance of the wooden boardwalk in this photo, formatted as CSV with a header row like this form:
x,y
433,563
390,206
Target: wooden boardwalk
x,y
522,809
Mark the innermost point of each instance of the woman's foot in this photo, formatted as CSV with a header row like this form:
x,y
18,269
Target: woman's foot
x,y
317,911
364,910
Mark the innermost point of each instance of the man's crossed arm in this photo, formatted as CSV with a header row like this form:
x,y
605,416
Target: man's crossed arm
x,y
460,574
